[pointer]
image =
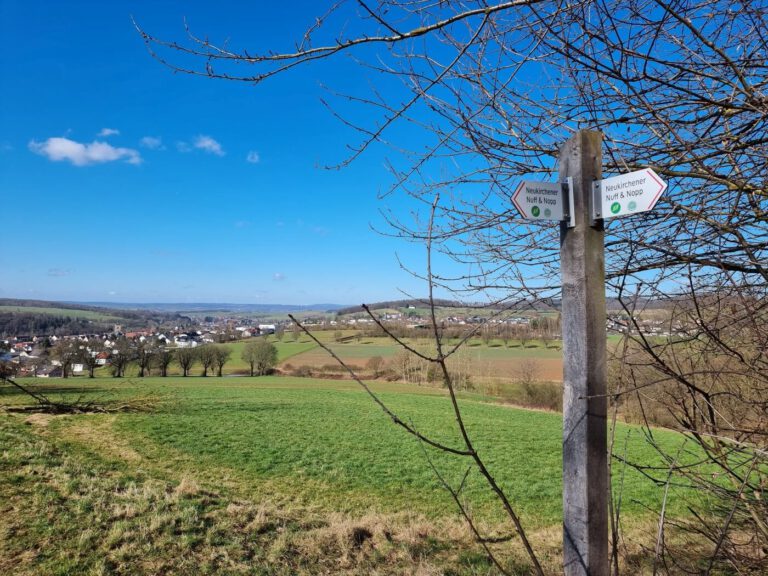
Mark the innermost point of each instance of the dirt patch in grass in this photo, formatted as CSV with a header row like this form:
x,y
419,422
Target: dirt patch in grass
x,y
96,433
547,369
39,420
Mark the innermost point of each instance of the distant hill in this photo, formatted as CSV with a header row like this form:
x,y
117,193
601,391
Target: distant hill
x,y
612,304
400,304
19,317
215,307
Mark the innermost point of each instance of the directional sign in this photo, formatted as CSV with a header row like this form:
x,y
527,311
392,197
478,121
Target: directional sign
x,y
542,200
627,194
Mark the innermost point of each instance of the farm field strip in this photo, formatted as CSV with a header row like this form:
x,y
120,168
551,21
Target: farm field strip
x,y
483,361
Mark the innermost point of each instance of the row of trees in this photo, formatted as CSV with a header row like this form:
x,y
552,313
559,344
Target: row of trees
x,y
149,355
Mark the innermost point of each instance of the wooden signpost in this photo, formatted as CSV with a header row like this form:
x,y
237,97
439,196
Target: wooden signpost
x,y
585,403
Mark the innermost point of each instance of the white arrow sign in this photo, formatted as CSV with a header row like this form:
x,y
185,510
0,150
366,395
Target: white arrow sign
x,y
627,194
541,201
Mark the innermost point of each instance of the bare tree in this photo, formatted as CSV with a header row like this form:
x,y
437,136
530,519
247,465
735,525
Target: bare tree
x,y
260,355
186,358
8,369
523,334
505,334
66,352
145,351
206,355
89,355
122,355
163,359
221,357
676,85
374,364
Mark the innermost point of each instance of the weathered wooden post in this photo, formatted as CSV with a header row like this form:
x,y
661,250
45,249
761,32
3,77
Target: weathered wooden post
x,y
581,200
585,458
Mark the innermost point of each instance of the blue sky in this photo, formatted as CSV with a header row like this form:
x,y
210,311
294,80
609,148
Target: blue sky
x,y
124,182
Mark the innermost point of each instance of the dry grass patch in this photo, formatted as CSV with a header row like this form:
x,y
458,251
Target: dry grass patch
x,y
39,420
96,432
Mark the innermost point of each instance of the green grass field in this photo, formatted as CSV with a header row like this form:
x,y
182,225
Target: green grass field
x,y
300,448
367,347
516,350
285,349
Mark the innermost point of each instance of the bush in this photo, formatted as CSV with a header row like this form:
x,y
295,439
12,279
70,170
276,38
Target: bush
x,y
302,371
547,395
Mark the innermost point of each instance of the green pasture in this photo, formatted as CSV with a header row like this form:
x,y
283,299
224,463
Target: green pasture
x,y
325,444
285,349
285,476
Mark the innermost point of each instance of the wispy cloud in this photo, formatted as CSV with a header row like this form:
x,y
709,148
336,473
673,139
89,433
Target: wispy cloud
x,y
79,154
163,253
253,157
208,144
278,277
183,147
108,132
152,143
59,272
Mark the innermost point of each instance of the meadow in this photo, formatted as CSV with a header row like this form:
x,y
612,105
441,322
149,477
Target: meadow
x,y
278,475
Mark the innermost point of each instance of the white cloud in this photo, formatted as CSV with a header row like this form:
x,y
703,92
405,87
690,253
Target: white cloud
x,y
60,149
278,277
253,157
108,132
152,143
209,145
59,272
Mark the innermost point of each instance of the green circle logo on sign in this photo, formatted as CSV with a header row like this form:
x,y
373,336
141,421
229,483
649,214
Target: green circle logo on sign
x,y
632,206
615,208
535,211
